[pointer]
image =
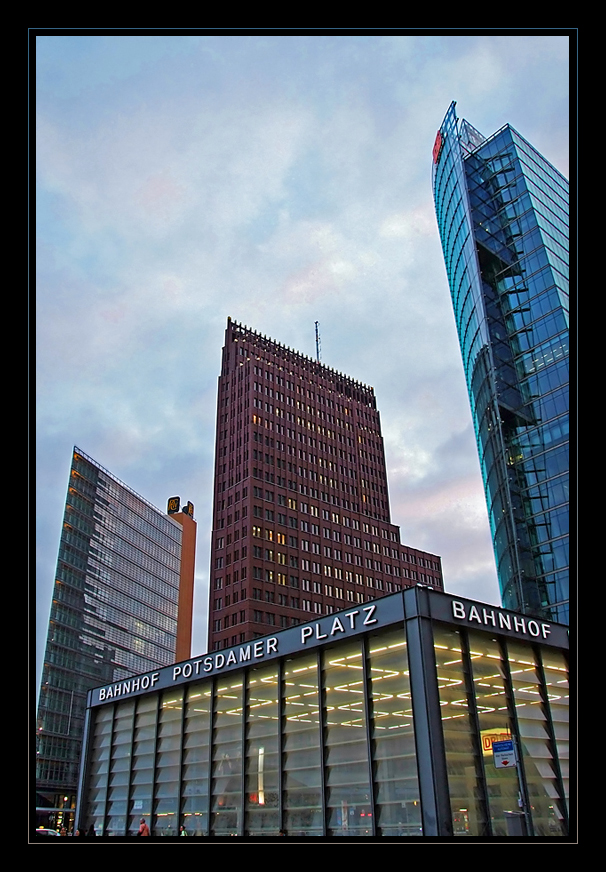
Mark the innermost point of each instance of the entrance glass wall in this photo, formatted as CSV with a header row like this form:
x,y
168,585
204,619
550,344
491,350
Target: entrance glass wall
x,y
463,757
262,776
395,776
322,743
494,725
346,752
301,751
545,795
195,773
226,786
168,763
493,690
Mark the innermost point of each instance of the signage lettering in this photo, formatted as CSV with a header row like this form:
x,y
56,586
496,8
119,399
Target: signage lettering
x,y
499,620
369,617
209,664
504,754
213,663
337,625
123,687
384,611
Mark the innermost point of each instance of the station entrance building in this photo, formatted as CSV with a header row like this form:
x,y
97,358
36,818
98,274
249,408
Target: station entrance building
x,y
418,714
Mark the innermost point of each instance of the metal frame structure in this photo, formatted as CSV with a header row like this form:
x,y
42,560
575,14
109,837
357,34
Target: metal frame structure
x,y
418,613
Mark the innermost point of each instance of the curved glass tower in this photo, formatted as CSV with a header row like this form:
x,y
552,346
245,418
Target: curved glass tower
x,y
502,212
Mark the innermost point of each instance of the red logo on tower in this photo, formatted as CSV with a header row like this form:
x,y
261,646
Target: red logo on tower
x,y
437,146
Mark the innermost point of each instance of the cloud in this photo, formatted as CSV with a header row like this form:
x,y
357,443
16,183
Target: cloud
x,y
281,181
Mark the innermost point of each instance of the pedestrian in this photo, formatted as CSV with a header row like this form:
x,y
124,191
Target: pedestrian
x,y
183,831
91,831
143,829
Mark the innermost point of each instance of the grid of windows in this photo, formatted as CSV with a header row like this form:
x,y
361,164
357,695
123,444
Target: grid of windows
x,y
300,453
113,613
502,213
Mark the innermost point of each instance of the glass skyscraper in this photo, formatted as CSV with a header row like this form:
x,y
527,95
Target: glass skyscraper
x,y
502,212
122,604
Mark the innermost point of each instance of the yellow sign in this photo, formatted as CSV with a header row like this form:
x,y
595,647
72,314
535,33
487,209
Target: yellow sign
x,y
487,737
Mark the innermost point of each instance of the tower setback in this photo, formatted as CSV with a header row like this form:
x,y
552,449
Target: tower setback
x,y
301,520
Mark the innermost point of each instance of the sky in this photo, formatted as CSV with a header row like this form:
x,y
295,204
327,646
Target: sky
x,y
279,180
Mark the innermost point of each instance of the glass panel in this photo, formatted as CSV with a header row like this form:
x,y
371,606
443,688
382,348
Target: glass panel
x,y
462,758
301,765
555,670
398,804
120,769
99,768
262,788
168,761
196,762
495,725
548,818
143,763
348,794
226,800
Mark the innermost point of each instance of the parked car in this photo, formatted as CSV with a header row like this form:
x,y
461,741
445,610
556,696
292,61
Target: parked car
x,y
46,833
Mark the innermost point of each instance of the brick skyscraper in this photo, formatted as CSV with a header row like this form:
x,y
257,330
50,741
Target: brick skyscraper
x,y
301,521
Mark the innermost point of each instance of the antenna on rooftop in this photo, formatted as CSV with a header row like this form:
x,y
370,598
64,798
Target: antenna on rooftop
x,y
318,346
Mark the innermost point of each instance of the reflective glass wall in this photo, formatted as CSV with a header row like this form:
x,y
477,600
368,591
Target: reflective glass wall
x,y
502,212
113,612
494,690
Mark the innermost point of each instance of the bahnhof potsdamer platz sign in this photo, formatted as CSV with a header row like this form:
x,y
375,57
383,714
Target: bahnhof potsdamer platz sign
x,y
419,714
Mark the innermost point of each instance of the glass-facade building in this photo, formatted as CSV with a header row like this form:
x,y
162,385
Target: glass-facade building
x,y
122,604
377,721
502,212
